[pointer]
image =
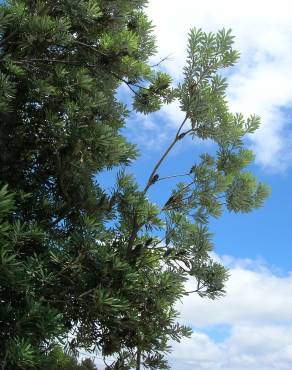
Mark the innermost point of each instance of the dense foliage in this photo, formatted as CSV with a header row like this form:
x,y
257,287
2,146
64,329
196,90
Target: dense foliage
x,y
80,266
58,360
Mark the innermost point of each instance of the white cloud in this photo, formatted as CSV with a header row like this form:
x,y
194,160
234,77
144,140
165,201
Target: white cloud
x,y
257,308
252,297
261,82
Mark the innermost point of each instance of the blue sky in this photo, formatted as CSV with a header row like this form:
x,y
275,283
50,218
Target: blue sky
x,y
251,327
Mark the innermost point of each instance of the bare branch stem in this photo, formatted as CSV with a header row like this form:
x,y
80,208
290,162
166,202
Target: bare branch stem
x,y
173,177
161,61
165,154
138,363
178,136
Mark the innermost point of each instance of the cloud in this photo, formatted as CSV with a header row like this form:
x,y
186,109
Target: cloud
x,y
260,83
252,296
253,348
257,311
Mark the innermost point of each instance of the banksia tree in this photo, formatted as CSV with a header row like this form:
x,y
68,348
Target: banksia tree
x,y
80,266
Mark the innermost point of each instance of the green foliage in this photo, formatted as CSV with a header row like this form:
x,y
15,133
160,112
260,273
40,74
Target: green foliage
x,y
26,318
150,99
57,359
79,267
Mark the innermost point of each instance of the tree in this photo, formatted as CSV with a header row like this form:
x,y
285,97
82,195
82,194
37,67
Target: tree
x,y
81,266
58,360
61,63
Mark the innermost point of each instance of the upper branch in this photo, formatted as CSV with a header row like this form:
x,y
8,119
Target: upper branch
x,y
177,137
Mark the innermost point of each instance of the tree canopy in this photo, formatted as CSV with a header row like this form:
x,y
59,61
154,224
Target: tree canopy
x,y
81,266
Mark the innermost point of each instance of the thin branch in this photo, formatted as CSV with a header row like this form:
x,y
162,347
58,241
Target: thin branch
x,y
177,137
90,47
130,87
181,267
199,288
160,62
150,182
128,83
87,292
192,291
173,177
106,364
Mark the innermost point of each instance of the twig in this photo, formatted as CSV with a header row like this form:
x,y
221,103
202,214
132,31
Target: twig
x,y
173,177
87,292
198,289
177,137
181,267
160,62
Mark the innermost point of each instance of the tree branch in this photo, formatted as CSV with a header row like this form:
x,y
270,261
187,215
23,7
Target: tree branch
x,y
161,61
78,63
138,364
173,177
199,288
177,137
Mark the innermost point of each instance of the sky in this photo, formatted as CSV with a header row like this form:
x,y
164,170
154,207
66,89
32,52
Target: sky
x,y
251,327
